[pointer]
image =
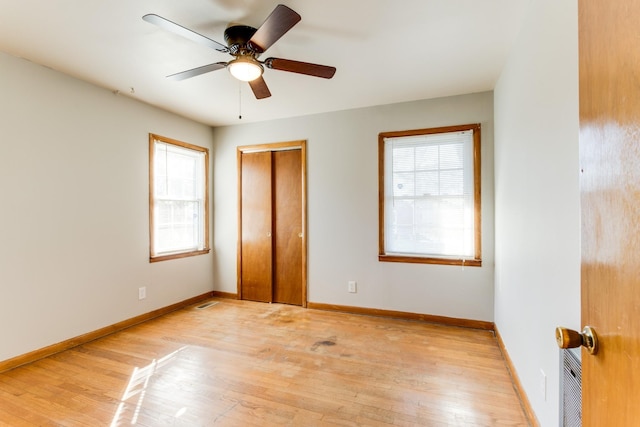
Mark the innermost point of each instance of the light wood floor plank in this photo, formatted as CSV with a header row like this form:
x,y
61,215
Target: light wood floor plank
x,y
241,363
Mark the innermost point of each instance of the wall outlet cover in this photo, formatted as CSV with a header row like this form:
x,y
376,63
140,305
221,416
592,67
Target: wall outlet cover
x,y
352,286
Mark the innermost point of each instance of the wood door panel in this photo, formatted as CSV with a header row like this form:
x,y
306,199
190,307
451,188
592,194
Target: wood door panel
x,y
610,206
287,197
256,259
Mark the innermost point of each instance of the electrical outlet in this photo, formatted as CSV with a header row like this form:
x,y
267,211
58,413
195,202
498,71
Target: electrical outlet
x,y
543,384
352,286
142,292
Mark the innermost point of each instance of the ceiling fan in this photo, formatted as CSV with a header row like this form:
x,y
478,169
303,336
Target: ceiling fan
x,y
246,44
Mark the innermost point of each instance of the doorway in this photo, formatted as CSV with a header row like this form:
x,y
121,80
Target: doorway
x,y
272,255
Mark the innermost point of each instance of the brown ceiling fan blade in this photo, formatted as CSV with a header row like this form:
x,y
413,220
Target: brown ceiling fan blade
x,y
307,68
281,20
197,71
259,88
165,24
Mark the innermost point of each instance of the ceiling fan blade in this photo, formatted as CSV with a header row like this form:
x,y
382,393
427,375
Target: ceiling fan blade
x,y
281,20
197,71
165,24
307,68
259,88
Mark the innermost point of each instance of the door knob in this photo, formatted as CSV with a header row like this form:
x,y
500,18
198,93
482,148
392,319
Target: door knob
x,y
568,338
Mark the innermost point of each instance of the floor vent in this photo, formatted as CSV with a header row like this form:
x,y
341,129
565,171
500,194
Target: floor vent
x,y
206,305
571,389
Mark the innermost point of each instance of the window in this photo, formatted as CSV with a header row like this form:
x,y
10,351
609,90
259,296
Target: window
x,y
178,199
429,205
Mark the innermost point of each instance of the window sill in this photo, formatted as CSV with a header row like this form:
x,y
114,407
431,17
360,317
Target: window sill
x,y
431,260
178,255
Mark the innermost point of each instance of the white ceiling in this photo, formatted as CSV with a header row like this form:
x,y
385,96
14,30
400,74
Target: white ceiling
x,y
385,51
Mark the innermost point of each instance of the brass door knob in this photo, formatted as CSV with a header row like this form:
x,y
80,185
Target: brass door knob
x,y
568,338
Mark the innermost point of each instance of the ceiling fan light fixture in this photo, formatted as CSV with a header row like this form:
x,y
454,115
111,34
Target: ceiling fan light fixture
x,y
245,69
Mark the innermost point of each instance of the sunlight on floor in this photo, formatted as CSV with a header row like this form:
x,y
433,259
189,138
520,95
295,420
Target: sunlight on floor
x,y
136,390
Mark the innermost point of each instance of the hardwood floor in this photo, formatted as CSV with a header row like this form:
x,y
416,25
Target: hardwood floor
x,y
239,363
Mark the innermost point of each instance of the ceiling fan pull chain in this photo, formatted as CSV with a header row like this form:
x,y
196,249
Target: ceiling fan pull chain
x,y
239,100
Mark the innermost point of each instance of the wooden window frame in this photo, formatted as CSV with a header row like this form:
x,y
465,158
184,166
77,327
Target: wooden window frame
x,y
206,248
444,260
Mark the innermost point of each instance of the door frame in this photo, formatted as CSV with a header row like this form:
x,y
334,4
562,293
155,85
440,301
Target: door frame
x,y
276,146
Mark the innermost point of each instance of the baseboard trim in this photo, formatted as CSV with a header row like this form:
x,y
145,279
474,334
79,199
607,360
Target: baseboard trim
x,y
443,320
91,336
228,295
517,385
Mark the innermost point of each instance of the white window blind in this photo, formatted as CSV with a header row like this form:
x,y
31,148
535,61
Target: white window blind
x,y
178,199
429,195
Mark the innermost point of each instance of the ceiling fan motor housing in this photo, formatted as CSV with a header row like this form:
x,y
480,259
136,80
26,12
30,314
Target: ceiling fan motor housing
x,y
237,38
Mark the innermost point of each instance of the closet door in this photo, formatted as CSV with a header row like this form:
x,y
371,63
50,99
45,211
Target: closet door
x,y
256,260
287,226
272,222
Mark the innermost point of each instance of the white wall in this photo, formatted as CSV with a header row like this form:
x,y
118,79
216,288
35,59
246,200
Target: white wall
x,y
343,208
537,197
74,212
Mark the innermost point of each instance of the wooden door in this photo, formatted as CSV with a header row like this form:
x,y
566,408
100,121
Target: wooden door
x,y
287,214
272,223
609,40
255,232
